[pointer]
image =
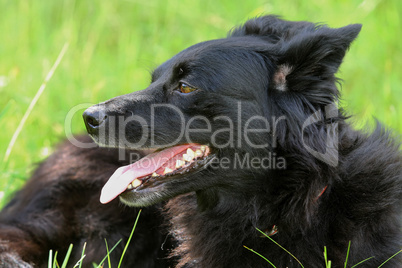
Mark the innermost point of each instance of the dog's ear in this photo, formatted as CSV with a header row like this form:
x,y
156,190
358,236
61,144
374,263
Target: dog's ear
x,y
307,55
308,61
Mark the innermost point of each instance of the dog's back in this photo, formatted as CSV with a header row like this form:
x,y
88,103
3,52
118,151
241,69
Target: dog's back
x,y
60,205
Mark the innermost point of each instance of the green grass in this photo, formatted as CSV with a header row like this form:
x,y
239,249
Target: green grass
x,y
327,262
114,44
53,263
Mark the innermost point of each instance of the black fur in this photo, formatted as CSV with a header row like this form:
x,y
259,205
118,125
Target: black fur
x,y
336,185
60,205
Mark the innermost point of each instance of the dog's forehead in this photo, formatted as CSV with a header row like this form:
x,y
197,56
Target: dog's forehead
x,y
213,48
227,49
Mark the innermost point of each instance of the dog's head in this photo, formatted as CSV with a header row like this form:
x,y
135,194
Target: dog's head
x,y
219,104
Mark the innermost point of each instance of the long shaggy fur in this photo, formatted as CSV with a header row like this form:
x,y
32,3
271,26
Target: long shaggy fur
x,y
361,205
362,197
60,205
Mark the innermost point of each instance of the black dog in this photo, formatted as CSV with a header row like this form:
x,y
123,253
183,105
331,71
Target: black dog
x,y
248,136
60,205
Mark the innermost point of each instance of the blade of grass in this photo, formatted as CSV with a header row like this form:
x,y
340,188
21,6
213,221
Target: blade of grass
x,y
83,253
362,262
280,247
129,239
67,257
327,262
347,255
49,264
255,252
55,264
390,258
108,254
79,262
33,103
100,264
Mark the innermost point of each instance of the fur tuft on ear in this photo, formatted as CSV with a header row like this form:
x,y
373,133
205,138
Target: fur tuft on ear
x,y
271,27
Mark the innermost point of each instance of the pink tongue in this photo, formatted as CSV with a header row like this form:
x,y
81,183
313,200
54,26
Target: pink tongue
x,y
124,175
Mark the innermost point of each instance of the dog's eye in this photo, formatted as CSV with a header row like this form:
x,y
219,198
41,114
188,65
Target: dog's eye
x,y
185,88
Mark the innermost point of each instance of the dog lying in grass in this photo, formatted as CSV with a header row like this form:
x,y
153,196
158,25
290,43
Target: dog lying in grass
x,y
247,146
248,136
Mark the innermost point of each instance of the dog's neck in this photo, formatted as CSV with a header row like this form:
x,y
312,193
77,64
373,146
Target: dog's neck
x,y
207,199
199,227
229,209
212,198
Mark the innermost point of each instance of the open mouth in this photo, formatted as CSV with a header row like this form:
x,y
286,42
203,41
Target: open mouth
x,y
155,168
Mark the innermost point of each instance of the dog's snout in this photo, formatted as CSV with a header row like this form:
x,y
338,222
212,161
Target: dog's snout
x,y
94,117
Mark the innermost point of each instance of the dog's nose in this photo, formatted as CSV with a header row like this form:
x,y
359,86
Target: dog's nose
x,y
94,117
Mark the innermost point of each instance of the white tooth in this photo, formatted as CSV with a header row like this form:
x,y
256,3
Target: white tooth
x,y
199,153
203,147
188,158
129,187
155,174
167,170
136,183
179,163
190,153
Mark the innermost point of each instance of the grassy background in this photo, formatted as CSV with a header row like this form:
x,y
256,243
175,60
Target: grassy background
x,y
114,44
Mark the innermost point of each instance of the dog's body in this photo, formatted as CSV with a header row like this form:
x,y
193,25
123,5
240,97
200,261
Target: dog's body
x,y
60,205
264,98
264,146
358,208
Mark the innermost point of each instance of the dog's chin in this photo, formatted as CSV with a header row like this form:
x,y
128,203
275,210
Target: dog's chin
x,y
144,198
